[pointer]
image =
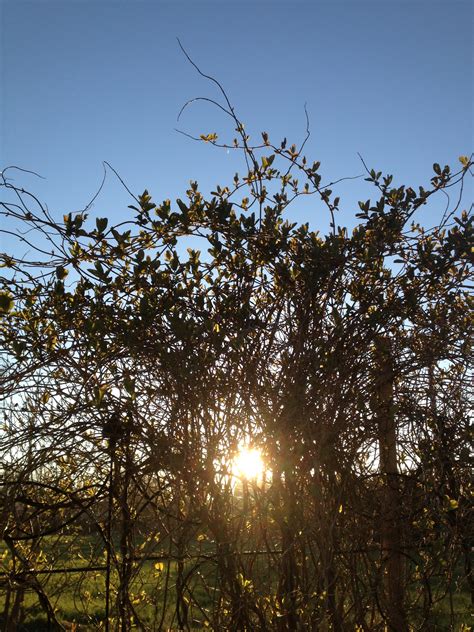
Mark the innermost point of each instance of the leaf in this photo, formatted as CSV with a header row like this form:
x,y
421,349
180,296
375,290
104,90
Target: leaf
x,y
101,223
100,393
7,261
208,138
6,303
61,272
174,263
464,160
159,566
182,206
129,386
99,272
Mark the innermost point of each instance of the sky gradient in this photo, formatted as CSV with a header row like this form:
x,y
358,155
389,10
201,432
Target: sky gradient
x,y
83,82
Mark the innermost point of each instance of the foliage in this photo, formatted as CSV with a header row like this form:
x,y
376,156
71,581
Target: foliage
x,y
133,368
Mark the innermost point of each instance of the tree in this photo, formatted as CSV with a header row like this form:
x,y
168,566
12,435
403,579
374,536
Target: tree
x,y
131,372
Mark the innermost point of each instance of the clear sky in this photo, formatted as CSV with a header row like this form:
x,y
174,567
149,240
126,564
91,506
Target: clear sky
x,y
85,81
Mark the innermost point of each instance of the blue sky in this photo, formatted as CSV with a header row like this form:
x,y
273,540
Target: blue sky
x,y
86,81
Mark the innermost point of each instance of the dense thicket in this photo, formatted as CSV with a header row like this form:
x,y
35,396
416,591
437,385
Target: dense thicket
x,y
133,368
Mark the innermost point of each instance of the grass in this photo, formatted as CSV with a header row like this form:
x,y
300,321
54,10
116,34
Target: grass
x,y
79,598
81,601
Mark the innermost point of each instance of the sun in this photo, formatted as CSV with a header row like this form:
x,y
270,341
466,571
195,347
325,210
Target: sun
x,y
248,464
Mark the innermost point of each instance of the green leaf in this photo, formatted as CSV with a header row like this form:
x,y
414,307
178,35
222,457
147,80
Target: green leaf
x,y
61,272
453,504
101,223
6,303
100,392
208,137
184,209
129,386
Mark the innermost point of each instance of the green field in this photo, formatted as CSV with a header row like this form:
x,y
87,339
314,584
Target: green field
x,y
78,598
